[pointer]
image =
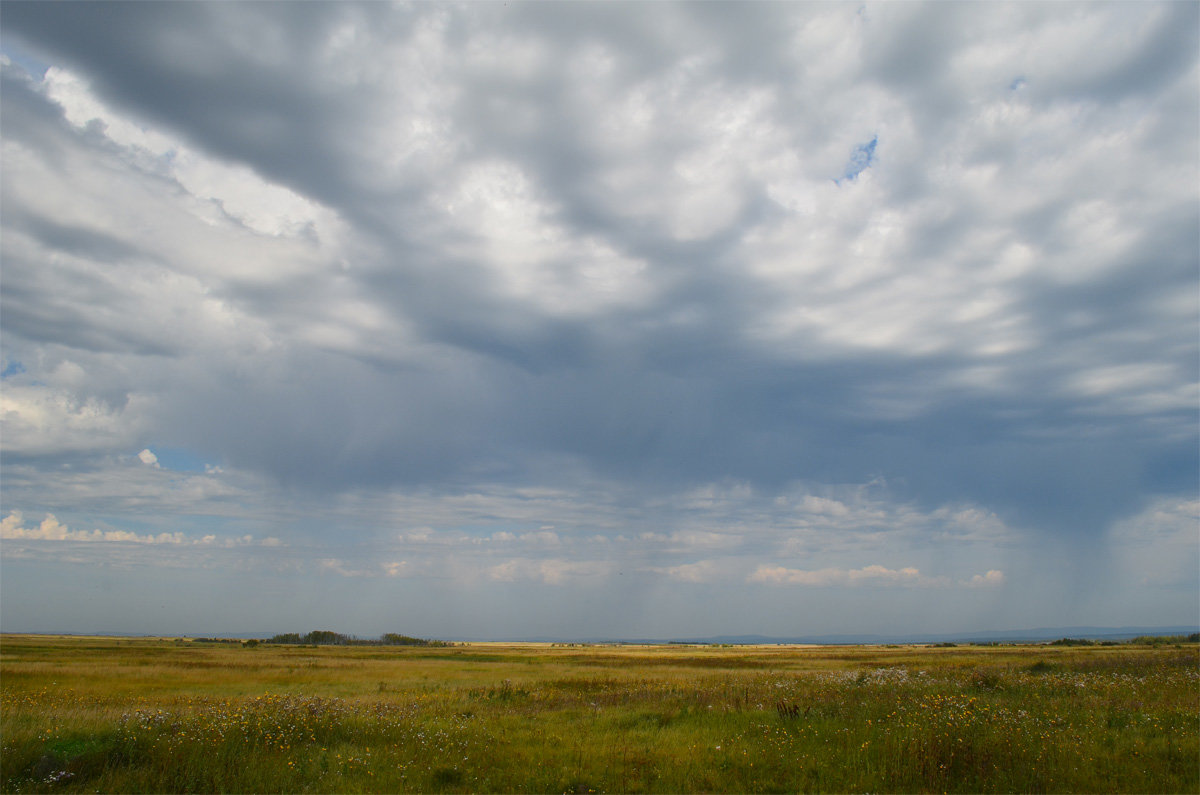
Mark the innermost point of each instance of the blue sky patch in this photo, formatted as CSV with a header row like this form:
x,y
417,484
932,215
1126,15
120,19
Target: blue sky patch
x,y
862,158
34,66
13,368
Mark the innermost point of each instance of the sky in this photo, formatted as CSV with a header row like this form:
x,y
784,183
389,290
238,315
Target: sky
x,y
515,320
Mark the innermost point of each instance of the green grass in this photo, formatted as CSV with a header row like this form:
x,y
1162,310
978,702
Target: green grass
x,y
132,715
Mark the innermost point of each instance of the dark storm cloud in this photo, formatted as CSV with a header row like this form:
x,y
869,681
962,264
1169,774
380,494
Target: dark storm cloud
x,y
677,387
174,62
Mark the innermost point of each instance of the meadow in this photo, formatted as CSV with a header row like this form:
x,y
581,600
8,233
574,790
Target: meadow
x,y
170,715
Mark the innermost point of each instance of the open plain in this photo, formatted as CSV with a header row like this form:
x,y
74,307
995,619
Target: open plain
x,y
175,715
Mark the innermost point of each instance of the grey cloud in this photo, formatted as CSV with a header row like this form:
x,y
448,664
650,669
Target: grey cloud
x,y
236,96
911,45
76,240
1153,49
677,388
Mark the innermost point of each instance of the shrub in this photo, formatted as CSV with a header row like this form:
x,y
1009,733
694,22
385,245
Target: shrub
x,y
985,679
1165,640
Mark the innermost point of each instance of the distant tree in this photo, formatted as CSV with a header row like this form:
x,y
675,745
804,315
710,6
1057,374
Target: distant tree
x,y
287,637
1161,640
328,638
319,637
394,639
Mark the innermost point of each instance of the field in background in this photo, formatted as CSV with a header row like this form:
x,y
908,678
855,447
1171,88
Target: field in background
x,y
161,715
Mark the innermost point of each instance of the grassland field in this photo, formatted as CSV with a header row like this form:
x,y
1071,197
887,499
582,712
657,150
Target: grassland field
x,y
167,715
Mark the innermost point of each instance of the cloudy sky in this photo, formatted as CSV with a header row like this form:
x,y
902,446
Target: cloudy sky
x,y
525,319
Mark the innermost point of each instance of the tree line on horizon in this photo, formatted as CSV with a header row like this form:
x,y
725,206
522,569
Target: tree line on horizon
x,y
328,638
